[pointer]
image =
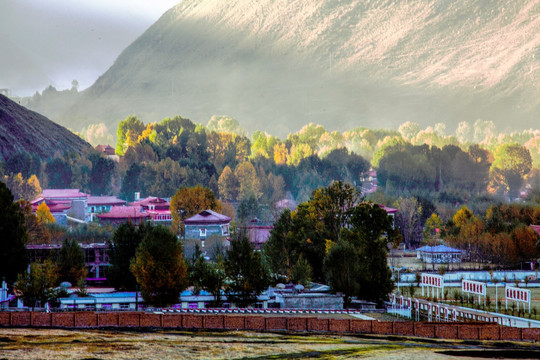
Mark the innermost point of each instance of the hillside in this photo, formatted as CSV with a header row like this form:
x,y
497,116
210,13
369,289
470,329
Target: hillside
x,y
277,65
25,130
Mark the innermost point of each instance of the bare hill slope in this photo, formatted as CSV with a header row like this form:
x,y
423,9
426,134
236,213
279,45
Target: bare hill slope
x,y
25,130
278,64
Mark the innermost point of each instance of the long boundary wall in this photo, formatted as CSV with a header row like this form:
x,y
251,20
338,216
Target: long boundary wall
x,y
443,330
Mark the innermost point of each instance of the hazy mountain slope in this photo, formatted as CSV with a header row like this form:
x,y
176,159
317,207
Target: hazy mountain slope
x,y
25,130
278,64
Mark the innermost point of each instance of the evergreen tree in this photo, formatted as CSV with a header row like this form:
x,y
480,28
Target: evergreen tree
x,y
247,274
71,265
159,267
122,249
13,237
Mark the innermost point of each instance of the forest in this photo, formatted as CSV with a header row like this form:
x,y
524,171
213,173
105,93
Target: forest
x,y
475,189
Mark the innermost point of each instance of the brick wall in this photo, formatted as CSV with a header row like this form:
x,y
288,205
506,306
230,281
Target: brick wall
x,y
151,320
40,319
235,322
214,322
172,320
108,319
255,323
469,331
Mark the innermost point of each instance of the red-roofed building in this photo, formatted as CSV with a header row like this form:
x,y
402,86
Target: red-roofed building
x,y
257,232
158,208
122,214
102,204
60,201
205,224
108,151
58,210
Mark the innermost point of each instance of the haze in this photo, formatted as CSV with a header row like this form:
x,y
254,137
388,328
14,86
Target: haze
x,y
53,42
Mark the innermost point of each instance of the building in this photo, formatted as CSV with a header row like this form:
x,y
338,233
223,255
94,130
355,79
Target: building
x,y
108,151
95,254
64,201
130,300
257,232
440,254
102,204
205,224
123,214
158,209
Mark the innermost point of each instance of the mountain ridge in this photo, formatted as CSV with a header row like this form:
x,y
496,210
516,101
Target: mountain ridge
x,y
25,130
342,64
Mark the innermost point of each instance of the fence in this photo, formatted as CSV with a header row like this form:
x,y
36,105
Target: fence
x,y
213,322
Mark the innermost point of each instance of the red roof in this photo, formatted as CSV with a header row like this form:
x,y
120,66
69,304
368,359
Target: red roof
x,y
151,200
125,212
106,149
63,194
207,217
54,207
105,200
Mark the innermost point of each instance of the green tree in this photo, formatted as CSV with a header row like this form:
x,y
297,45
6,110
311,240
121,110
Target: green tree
x,y
247,274
159,267
101,174
512,162
248,209
59,174
122,248
343,270
300,272
71,265
38,284
369,232
13,238
209,276
432,226
127,134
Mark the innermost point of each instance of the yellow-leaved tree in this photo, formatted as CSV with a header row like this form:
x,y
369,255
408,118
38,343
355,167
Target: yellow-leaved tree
x,y
44,215
189,201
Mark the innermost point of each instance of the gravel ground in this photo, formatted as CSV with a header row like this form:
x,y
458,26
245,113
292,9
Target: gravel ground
x,y
23,344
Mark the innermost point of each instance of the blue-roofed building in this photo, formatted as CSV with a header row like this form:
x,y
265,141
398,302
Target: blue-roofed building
x,y
130,300
440,254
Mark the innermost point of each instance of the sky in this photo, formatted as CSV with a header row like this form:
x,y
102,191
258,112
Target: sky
x,y
53,42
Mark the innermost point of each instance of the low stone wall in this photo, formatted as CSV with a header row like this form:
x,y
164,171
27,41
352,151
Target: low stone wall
x,y
443,330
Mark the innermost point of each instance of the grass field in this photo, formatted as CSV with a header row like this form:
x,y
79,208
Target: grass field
x,y
23,344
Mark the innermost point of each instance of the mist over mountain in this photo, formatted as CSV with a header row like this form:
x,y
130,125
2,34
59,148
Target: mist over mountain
x,y
277,65
22,130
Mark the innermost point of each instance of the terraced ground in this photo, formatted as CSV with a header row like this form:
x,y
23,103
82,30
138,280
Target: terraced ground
x,y
93,344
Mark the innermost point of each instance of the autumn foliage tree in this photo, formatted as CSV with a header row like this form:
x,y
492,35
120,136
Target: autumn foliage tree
x,y
44,215
189,201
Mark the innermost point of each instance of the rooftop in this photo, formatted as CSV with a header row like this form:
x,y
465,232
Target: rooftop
x,y
207,217
125,212
438,249
105,200
63,194
151,200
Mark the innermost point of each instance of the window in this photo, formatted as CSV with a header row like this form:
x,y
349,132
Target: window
x,y
202,232
225,229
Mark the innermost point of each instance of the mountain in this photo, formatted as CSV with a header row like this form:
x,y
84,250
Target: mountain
x,y
25,130
277,65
